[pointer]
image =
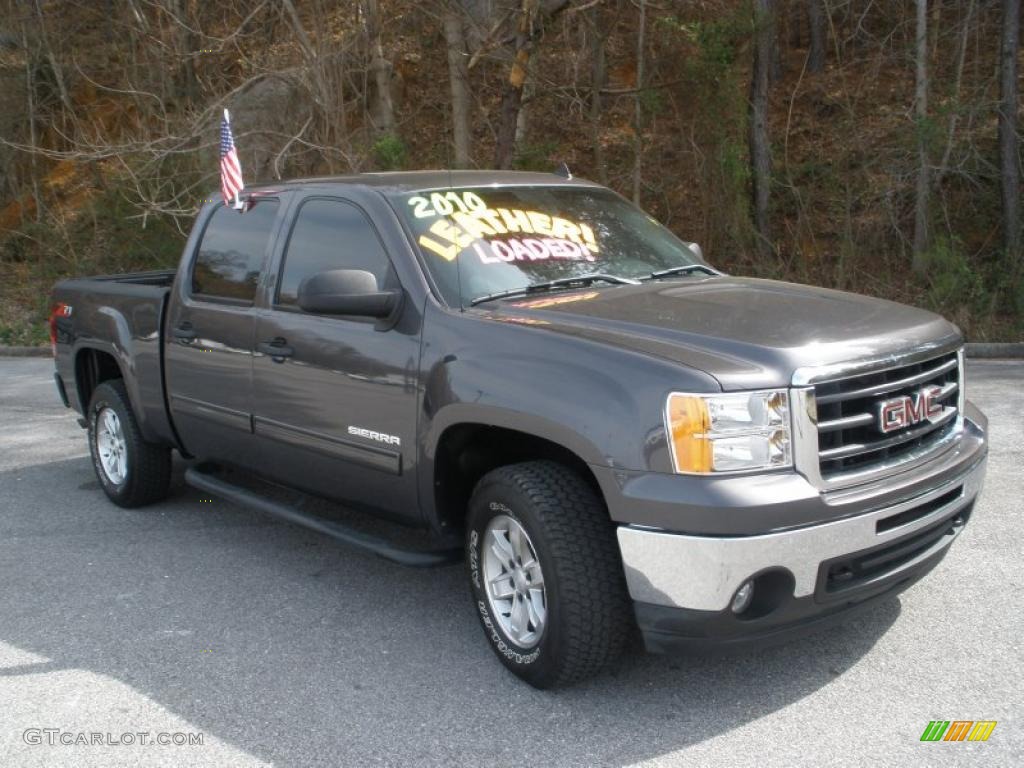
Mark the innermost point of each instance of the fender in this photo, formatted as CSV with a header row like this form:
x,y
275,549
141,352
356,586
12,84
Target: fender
x,y
121,354
138,356
569,391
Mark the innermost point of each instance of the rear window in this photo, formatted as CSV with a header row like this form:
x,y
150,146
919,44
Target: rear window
x,y
231,252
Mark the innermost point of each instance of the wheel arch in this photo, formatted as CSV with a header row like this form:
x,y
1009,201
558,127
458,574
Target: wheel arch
x,y
93,366
466,451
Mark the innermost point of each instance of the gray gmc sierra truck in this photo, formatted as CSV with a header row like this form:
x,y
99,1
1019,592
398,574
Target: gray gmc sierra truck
x,y
545,381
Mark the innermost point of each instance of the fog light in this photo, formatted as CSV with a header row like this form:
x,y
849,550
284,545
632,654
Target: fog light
x,y
743,596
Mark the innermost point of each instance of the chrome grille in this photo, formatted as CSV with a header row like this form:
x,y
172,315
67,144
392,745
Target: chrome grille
x,y
848,436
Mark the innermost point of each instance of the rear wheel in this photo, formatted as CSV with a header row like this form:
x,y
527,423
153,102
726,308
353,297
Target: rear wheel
x,y
545,573
131,471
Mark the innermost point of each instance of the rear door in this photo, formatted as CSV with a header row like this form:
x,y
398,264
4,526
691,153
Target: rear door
x,y
209,334
337,415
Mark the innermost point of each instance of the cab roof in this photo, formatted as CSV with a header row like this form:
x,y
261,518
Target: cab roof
x,y
411,181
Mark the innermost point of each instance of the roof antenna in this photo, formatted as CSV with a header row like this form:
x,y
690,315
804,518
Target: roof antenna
x,y
563,171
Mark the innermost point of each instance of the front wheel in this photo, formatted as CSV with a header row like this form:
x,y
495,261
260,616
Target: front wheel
x,y
545,573
131,471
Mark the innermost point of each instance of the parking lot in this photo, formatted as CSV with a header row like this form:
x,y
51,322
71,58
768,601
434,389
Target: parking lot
x,y
283,647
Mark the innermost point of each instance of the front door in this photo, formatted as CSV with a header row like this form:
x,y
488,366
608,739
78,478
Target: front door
x,y
209,335
335,414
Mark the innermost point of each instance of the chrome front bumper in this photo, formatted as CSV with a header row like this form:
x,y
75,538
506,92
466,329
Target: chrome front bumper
x,y
704,572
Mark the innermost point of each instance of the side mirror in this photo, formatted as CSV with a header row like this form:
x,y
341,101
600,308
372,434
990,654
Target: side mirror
x,y
695,247
346,292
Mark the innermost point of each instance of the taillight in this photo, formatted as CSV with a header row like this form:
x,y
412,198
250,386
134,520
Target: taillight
x,y
60,309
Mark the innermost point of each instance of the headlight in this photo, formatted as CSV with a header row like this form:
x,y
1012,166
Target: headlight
x,y
729,431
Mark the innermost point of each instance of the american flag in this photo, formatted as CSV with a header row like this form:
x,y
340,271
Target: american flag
x,y
230,169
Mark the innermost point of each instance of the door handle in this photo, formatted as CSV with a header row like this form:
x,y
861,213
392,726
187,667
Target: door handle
x,y
277,349
185,332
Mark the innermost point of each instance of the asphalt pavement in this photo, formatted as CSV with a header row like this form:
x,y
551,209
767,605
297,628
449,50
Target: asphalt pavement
x,y
274,645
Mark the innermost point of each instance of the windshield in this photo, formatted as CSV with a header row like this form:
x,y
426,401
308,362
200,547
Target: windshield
x,y
491,239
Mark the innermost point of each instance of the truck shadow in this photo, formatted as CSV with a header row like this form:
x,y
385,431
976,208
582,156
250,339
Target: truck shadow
x,y
284,644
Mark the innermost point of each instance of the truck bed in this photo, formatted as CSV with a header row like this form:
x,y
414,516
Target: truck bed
x,y
123,316
156,278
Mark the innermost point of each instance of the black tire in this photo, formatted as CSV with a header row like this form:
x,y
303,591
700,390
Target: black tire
x,y
148,474
589,618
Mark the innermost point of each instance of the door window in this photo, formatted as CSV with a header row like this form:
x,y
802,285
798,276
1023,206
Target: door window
x,y
330,234
231,252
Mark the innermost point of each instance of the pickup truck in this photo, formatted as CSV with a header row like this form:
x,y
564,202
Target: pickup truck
x,y
619,440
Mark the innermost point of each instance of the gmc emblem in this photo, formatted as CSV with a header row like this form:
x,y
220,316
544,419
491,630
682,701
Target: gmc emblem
x,y
901,412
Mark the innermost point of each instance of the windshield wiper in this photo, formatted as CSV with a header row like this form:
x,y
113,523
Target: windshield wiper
x,y
562,282
685,270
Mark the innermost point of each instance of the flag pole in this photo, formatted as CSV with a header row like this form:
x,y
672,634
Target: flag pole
x,y
238,200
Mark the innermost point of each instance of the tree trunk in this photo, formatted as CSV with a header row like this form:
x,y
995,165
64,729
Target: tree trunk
x,y
760,153
597,78
310,55
30,90
638,143
921,223
458,74
58,75
775,68
531,13
187,84
1009,147
818,35
961,60
794,17
935,29
382,112
512,93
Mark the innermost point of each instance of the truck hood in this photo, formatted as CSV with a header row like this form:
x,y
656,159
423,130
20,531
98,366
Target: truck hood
x,y
745,332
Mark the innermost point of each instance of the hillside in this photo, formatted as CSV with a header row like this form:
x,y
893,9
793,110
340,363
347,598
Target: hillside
x,y
109,125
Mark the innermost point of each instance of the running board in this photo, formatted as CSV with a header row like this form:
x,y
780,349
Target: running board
x,y
428,558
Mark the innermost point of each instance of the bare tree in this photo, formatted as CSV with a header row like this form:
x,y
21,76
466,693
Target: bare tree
x,y
638,142
532,14
458,74
30,112
961,60
775,67
186,41
58,75
760,152
598,73
512,93
1009,145
382,112
921,217
816,28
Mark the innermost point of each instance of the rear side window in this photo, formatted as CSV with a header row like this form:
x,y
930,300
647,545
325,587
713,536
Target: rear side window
x,y
231,252
330,234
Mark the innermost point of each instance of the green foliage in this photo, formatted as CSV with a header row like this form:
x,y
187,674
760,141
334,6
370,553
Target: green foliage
x,y
652,102
932,131
536,157
713,91
717,41
21,334
953,281
390,153
732,161
814,172
106,236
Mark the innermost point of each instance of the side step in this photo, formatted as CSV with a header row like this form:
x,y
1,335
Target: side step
x,y
428,558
